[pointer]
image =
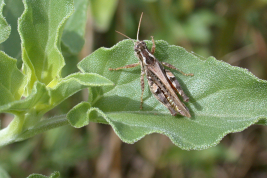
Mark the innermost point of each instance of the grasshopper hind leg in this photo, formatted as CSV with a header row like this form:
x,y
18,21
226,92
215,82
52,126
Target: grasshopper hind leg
x,y
176,85
142,87
158,93
125,67
173,67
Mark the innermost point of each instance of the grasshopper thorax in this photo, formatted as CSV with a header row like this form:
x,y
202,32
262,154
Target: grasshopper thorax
x,y
144,55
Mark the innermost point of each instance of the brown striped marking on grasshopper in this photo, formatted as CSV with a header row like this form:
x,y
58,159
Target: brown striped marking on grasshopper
x,y
162,82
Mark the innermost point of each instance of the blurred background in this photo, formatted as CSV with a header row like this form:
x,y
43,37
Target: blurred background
x,y
232,31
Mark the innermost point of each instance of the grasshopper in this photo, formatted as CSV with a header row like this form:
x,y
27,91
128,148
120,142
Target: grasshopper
x,y
162,82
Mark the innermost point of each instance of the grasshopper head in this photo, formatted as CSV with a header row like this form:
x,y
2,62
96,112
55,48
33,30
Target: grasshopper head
x,y
139,46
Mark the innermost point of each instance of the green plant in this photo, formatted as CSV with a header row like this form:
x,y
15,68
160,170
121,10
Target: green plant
x,y
40,82
223,99
53,175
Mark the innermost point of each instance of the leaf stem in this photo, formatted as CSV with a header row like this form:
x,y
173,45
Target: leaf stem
x,y
14,131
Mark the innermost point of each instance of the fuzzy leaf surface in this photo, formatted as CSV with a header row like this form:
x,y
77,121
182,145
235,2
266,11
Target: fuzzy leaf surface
x,y
12,81
40,28
5,29
12,46
223,98
56,174
41,100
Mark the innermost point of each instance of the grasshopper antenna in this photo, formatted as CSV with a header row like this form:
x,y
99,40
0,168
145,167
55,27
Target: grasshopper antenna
x,y
124,35
139,26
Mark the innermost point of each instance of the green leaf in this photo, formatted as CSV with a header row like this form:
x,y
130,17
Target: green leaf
x,y
12,46
74,31
77,116
223,98
38,98
12,81
40,28
75,82
102,12
56,174
82,113
5,29
29,111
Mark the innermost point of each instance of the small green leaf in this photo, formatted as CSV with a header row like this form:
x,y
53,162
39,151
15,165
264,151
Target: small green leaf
x,y
77,116
28,112
74,83
5,29
82,113
102,12
12,46
223,98
38,99
56,174
40,28
12,81
74,31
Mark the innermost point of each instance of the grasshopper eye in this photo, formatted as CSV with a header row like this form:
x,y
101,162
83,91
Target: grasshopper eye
x,y
137,48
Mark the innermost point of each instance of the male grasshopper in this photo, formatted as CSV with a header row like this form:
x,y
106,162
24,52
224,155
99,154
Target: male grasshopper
x,y
162,82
